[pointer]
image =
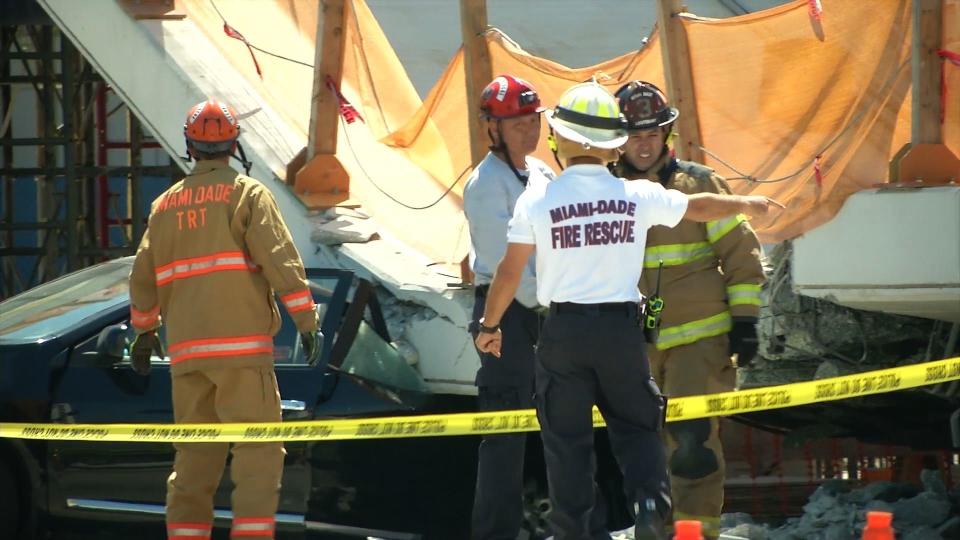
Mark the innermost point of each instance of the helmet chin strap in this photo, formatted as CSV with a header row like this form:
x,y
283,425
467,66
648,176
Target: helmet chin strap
x,y
189,157
552,143
247,164
629,165
242,157
501,147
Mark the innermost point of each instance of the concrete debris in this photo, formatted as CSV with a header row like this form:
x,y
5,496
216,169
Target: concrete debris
x,y
950,528
745,531
733,519
927,508
834,513
336,211
831,368
837,512
932,482
343,230
877,506
802,337
399,315
834,487
923,533
883,491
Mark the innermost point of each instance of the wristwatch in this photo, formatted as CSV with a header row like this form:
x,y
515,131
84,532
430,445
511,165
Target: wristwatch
x,y
484,329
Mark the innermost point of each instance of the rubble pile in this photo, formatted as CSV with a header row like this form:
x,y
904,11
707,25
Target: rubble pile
x,y
803,338
837,512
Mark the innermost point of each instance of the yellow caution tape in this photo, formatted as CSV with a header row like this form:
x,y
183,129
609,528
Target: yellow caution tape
x,y
684,408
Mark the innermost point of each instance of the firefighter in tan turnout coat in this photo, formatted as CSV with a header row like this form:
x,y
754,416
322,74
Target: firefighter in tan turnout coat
x,y
710,284
215,252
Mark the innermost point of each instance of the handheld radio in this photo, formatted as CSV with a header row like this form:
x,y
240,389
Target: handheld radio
x,y
652,308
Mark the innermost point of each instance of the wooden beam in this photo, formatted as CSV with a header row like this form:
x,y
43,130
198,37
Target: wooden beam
x,y
928,161
328,61
925,64
152,9
473,22
321,180
679,76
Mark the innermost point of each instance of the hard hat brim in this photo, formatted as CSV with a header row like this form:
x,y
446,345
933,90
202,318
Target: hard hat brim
x,y
674,114
538,110
596,137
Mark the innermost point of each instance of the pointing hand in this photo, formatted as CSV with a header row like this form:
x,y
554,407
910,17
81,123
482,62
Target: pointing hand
x,y
758,205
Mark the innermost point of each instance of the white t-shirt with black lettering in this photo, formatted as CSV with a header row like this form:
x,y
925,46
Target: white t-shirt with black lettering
x,y
590,229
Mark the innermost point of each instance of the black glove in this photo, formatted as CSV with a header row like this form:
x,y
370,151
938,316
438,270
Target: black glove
x,y
743,340
312,345
142,349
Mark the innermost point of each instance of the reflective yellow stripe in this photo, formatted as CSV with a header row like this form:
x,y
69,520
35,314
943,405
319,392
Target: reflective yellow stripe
x,y
709,525
675,254
718,229
579,105
745,294
692,331
605,110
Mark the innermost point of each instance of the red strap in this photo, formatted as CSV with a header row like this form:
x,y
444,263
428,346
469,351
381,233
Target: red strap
x,y
232,32
815,9
953,58
347,111
816,170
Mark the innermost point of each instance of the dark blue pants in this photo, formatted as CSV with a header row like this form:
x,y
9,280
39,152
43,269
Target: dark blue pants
x,y
498,499
597,358
506,383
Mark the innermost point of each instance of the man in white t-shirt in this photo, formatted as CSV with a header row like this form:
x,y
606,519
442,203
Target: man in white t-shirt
x,y
511,108
588,229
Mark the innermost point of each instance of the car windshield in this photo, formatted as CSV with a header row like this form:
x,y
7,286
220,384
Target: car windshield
x,y
49,310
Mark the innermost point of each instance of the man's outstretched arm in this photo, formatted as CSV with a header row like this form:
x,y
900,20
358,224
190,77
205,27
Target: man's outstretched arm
x,y
712,206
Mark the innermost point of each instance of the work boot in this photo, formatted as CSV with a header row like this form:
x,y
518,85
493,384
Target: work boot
x,y
649,524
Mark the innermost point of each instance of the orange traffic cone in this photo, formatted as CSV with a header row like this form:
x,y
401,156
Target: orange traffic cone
x,y
879,526
687,530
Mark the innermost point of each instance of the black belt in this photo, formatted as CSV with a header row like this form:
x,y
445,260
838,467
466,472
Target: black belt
x,y
625,309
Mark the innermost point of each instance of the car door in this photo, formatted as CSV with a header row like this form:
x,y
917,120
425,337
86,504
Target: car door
x,y
131,477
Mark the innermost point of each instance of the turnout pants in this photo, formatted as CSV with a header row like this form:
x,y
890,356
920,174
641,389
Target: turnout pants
x,y
695,455
586,356
214,396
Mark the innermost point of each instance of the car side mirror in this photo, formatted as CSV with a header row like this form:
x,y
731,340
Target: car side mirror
x,y
112,342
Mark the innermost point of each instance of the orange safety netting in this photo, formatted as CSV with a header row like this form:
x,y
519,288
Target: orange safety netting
x,y
780,96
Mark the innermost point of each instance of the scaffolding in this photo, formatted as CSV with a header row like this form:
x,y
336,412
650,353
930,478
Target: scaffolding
x,y
75,189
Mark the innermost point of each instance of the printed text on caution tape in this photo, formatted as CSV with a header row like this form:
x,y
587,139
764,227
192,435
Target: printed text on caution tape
x,y
685,408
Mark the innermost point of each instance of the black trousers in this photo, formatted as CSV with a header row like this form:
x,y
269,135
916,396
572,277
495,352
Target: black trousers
x,y
498,499
595,357
504,383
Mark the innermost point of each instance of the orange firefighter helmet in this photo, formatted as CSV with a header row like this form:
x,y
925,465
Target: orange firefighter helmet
x,y
211,127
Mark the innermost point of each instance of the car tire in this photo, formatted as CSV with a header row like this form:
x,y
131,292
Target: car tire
x,y
10,509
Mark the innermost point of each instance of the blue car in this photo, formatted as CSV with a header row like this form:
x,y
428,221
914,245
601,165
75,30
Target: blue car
x,y
64,359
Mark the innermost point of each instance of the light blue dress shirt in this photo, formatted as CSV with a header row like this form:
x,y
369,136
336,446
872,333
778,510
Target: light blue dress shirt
x,y
488,201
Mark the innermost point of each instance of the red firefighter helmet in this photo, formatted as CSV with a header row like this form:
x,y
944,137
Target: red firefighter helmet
x,y
645,106
211,127
509,97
